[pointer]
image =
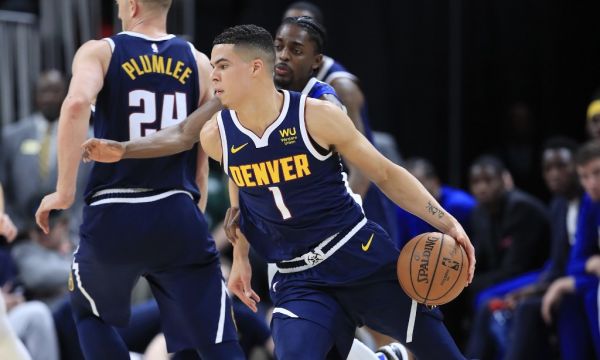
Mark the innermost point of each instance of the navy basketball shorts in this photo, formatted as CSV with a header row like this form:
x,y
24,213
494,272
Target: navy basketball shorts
x,y
355,286
167,242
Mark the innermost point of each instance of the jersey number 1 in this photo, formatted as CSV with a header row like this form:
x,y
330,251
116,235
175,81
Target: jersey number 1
x,y
147,101
285,212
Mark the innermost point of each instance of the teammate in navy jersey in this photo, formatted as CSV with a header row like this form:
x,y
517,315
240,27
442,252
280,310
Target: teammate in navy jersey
x,y
142,216
299,44
336,270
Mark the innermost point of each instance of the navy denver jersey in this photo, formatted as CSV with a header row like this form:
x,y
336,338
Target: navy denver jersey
x,y
293,194
150,84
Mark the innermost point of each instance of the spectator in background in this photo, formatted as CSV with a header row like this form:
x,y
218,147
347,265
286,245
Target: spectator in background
x,y
572,301
510,228
510,232
27,321
44,261
457,202
28,156
7,228
593,117
521,297
11,346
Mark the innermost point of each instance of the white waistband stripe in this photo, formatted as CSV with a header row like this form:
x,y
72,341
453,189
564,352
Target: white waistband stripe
x,y
142,199
285,312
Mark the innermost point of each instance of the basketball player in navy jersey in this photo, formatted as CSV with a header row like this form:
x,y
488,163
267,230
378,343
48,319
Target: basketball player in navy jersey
x,y
142,216
336,269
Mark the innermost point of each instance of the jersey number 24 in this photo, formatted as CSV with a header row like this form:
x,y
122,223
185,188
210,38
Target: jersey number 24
x,y
139,122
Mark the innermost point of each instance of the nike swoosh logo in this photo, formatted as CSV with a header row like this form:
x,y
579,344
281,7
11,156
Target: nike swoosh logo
x,y
366,246
236,149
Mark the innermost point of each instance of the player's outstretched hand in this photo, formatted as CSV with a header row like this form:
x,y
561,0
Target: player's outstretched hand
x,y
239,283
554,295
7,228
232,224
102,150
54,201
459,234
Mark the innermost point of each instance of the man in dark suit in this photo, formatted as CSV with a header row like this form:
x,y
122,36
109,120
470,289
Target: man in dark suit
x,y
510,231
522,296
511,228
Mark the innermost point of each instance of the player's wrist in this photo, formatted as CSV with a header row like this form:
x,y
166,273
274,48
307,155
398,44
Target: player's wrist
x,y
240,256
450,225
65,196
125,149
241,249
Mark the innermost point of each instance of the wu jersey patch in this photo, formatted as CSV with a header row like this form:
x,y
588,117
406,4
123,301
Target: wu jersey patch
x,y
288,136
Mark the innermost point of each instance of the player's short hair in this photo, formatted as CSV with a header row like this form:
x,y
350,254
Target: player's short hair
x,y
316,12
316,31
490,161
588,152
416,162
250,37
560,142
163,4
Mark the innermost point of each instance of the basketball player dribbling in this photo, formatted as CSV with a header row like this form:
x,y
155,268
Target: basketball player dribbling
x,y
334,266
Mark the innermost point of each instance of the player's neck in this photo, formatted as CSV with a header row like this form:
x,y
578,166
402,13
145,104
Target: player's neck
x,y
260,110
150,25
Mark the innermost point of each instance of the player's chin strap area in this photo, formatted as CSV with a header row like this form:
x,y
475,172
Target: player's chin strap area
x,y
411,321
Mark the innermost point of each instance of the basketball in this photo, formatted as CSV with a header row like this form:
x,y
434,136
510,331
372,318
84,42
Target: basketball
x,y
433,268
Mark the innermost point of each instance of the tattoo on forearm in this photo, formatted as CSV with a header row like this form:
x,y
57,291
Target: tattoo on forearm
x,y
435,210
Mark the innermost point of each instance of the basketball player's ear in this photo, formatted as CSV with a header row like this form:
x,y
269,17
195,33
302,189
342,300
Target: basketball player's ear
x,y
257,66
133,7
318,61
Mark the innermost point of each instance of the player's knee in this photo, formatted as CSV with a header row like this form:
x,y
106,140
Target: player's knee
x,y
293,349
83,308
298,339
225,350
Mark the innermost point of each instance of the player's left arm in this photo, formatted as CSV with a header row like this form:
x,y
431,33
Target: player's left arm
x,y
330,127
89,66
240,277
206,94
353,99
